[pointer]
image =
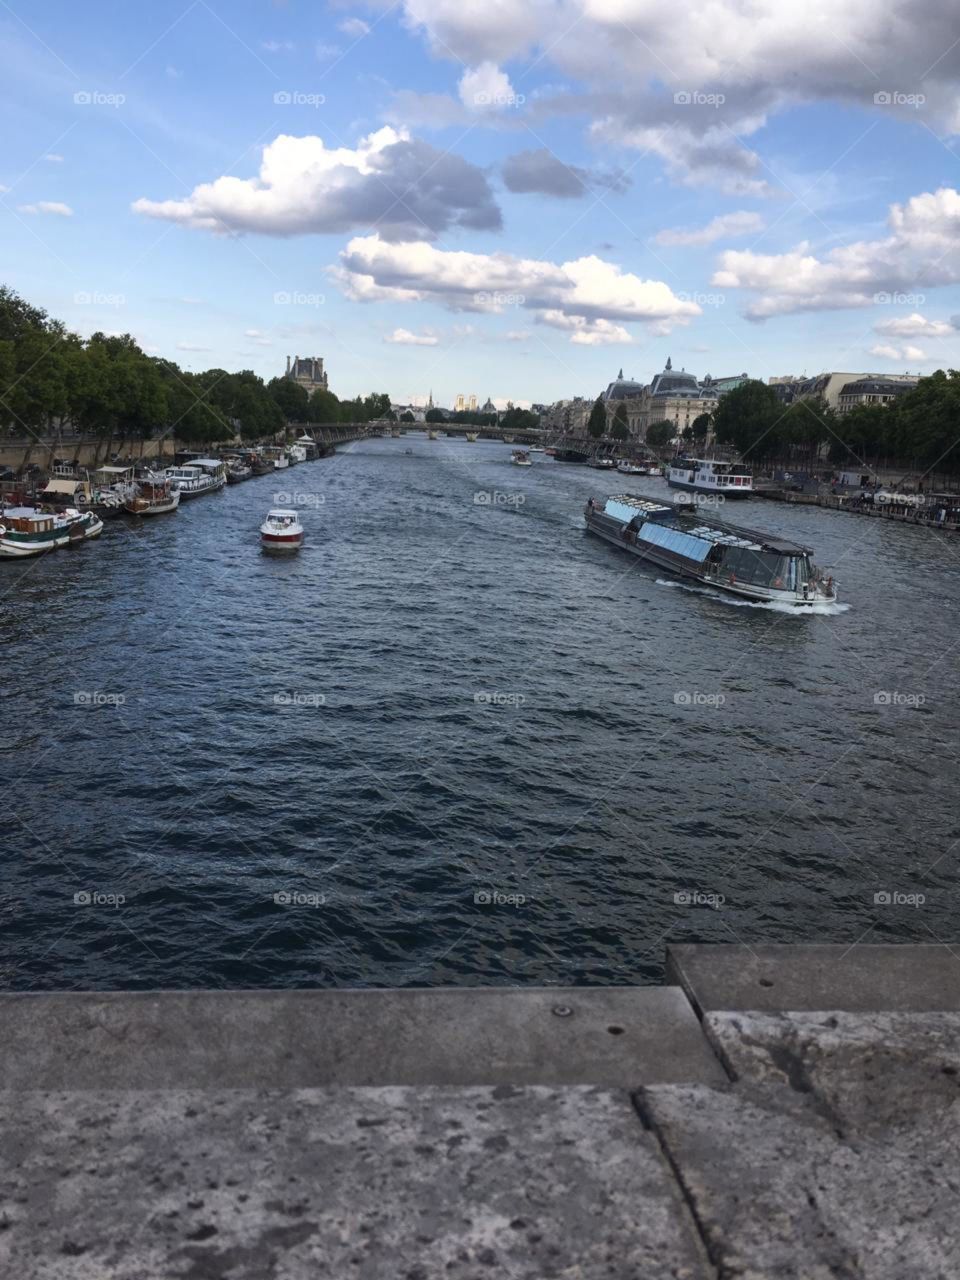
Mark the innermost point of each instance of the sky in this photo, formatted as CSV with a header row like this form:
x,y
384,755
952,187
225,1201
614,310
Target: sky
x,y
492,197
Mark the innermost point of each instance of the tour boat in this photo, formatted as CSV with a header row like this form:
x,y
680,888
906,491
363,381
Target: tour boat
x,y
739,561
520,458
632,468
704,475
202,475
28,531
281,531
156,495
471,437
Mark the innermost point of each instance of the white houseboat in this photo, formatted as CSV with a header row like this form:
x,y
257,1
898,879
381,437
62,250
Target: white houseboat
x,y
705,475
202,475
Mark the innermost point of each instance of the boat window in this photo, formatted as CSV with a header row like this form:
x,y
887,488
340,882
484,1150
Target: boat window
x,y
761,568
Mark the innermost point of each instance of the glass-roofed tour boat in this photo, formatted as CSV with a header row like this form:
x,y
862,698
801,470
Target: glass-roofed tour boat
x,y
740,561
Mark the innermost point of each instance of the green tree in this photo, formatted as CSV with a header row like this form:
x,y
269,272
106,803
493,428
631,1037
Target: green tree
x,y
291,397
323,407
746,418
597,422
620,429
407,416
660,433
435,415
700,427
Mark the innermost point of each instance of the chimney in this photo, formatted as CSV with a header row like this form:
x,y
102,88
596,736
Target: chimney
x,y
288,366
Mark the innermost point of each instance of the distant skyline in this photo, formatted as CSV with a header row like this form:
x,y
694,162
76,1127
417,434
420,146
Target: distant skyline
x,y
512,199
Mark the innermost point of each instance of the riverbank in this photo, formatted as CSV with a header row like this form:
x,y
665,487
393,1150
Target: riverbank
x,y
773,1112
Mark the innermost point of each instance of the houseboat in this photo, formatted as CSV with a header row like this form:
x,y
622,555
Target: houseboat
x,y
309,447
276,456
741,562
156,496
281,531
203,475
705,475
633,468
30,531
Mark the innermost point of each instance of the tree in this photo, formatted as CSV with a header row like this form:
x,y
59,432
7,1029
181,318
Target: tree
x,y
323,407
597,422
746,418
519,420
435,415
700,427
291,398
407,416
661,433
620,430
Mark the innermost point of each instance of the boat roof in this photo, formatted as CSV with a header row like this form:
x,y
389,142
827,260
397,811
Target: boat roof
x,y
716,531
113,471
69,485
641,504
206,462
280,512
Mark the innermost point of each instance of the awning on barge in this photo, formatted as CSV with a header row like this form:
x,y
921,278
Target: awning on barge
x,y
681,544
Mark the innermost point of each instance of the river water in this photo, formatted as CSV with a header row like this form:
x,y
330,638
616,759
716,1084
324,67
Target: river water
x,y
459,740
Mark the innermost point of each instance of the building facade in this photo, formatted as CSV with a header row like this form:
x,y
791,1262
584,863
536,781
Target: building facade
x,y
673,396
873,391
307,373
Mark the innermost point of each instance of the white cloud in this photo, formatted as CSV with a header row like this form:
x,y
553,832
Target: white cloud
x,y
173,73
921,251
327,52
487,88
278,46
710,74
898,353
404,338
258,337
586,333
916,326
517,335
190,346
583,291
402,185
356,28
47,206
54,158
727,224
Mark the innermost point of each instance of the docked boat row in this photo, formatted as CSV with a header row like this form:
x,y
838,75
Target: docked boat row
x,y
738,561
75,502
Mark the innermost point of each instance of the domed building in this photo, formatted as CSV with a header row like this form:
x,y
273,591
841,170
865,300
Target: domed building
x,y
628,393
677,397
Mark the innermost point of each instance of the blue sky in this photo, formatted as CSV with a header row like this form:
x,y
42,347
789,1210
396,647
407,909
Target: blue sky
x,y
547,191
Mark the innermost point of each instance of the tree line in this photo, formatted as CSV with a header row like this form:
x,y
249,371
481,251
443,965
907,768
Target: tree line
x,y
107,387
918,431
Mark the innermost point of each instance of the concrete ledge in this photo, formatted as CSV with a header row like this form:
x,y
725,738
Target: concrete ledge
x,y
376,1184
615,1036
770,977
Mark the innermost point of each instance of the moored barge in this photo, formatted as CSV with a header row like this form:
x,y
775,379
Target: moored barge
x,y
741,562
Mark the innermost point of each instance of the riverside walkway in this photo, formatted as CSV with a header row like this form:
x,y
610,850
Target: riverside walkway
x,y
770,1112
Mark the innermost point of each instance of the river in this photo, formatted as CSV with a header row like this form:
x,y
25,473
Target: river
x,y
458,740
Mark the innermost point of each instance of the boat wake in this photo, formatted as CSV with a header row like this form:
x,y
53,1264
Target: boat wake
x,y
771,606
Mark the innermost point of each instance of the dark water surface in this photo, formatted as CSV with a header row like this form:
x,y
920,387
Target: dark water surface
x,y
442,698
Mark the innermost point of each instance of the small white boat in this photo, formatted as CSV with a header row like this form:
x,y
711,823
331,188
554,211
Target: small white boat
x,y
202,475
520,458
633,469
28,531
281,531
